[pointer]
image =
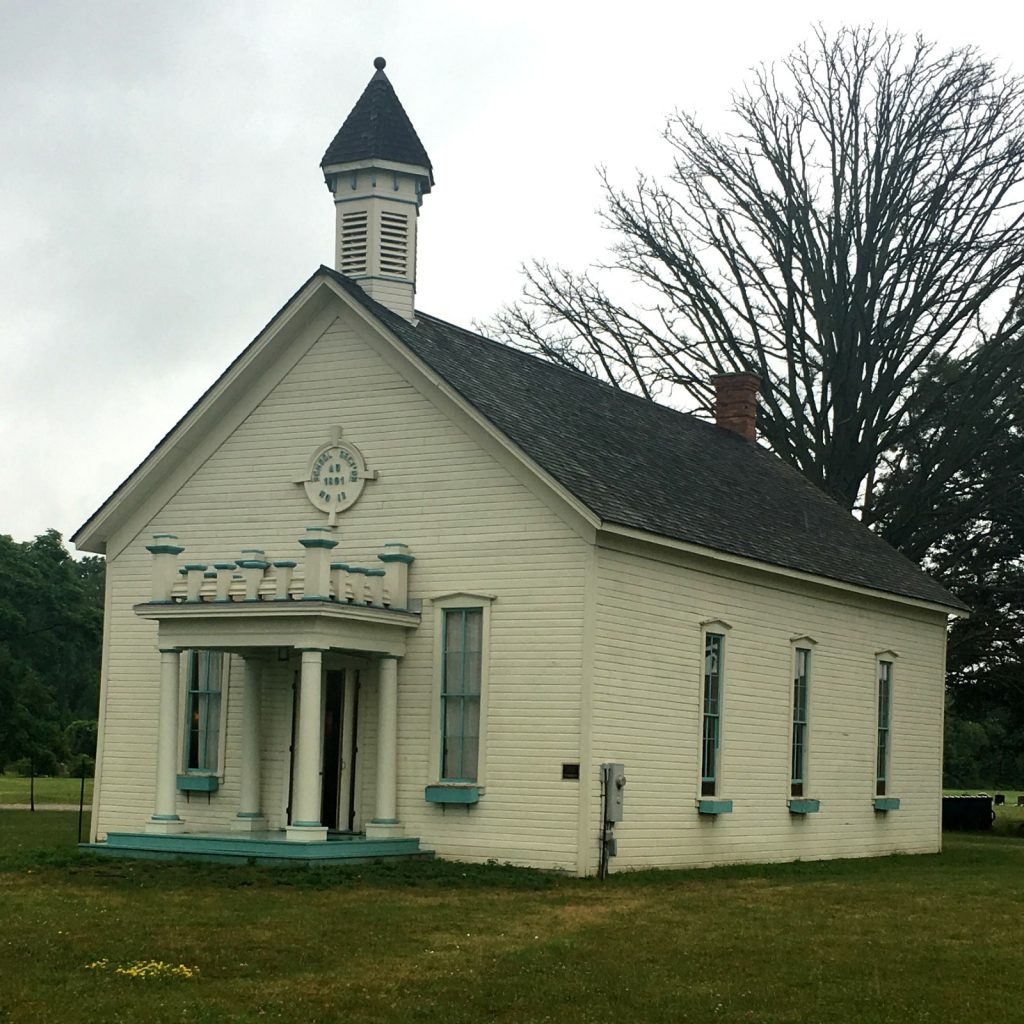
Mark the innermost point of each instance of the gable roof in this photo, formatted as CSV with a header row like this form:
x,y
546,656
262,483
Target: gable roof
x,y
632,462
638,464
378,128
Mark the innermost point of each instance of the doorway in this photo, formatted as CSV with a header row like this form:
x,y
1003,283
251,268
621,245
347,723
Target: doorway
x,y
339,746
334,721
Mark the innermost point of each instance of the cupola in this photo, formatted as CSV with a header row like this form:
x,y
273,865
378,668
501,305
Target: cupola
x,y
378,171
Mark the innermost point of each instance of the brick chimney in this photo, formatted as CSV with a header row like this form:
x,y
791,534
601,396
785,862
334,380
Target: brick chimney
x,y
736,402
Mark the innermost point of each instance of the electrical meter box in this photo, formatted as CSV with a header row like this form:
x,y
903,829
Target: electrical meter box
x,y
614,787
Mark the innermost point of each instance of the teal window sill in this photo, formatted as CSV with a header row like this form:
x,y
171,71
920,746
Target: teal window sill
x,y
198,783
799,805
443,794
714,806
886,803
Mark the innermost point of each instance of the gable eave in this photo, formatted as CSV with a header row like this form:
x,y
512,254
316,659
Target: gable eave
x,y
312,297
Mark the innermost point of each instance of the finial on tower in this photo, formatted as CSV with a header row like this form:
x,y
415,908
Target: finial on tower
x,y
380,63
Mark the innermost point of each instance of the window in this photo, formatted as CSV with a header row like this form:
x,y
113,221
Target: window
x,y
884,713
461,670
801,678
711,736
202,727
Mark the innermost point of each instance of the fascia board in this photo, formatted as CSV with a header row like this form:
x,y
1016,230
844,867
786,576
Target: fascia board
x,y
188,433
436,382
612,530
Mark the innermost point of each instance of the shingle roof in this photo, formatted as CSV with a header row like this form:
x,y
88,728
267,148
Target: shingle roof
x,y
378,127
639,464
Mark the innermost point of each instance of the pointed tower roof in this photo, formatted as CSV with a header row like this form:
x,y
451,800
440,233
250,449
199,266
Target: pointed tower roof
x,y
378,128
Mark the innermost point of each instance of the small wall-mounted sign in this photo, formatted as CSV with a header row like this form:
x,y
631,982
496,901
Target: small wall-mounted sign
x,y
336,477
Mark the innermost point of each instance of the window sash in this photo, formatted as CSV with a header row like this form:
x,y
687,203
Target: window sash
x,y
711,731
801,682
884,717
203,709
461,671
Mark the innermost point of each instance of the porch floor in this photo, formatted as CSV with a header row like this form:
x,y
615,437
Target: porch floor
x,y
256,848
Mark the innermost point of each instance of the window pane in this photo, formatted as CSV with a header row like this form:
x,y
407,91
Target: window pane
x,y
205,682
471,668
453,672
474,629
452,761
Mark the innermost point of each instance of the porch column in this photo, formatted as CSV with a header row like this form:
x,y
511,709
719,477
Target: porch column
x,y
249,817
165,818
305,826
385,819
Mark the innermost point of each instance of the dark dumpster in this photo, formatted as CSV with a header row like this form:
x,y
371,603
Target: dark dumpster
x,y
967,813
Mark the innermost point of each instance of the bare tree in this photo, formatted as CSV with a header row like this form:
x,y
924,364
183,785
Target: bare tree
x,y
861,225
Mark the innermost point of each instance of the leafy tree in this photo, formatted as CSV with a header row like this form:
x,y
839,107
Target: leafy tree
x,y
51,624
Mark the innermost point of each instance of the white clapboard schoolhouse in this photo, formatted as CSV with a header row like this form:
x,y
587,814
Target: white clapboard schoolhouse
x,y
390,589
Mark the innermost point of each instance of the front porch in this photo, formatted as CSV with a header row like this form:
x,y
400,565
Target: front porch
x,y
265,848
317,625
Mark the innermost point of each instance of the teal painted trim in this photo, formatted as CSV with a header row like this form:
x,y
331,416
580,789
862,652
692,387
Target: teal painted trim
x,y
165,536
340,565
211,575
253,551
886,803
362,570
170,650
263,847
714,807
164,817
194,567
319,529
286,564
384,821
249,814
306,824
452,794
253,563
800,806
375,572
318,542
225,565
315,597
408,559
198,783
164,549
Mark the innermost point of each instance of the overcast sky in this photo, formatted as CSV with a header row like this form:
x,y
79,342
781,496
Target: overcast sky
x,y
161,197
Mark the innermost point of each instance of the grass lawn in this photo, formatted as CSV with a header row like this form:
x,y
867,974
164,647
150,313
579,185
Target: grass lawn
x,y
15,790
934,938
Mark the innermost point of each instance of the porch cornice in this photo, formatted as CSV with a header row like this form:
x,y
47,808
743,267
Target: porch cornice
x,y
244,625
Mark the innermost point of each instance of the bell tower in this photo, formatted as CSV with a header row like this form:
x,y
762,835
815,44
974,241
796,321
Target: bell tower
x,y
378,171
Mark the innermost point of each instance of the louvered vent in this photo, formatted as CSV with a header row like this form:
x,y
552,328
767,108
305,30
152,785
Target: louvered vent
x,y
394,243
353,243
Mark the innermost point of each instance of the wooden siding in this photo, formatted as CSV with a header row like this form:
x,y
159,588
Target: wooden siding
x,y
473,526
647,714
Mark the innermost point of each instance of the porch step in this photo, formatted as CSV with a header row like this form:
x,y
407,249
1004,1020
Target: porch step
x,y
256,848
